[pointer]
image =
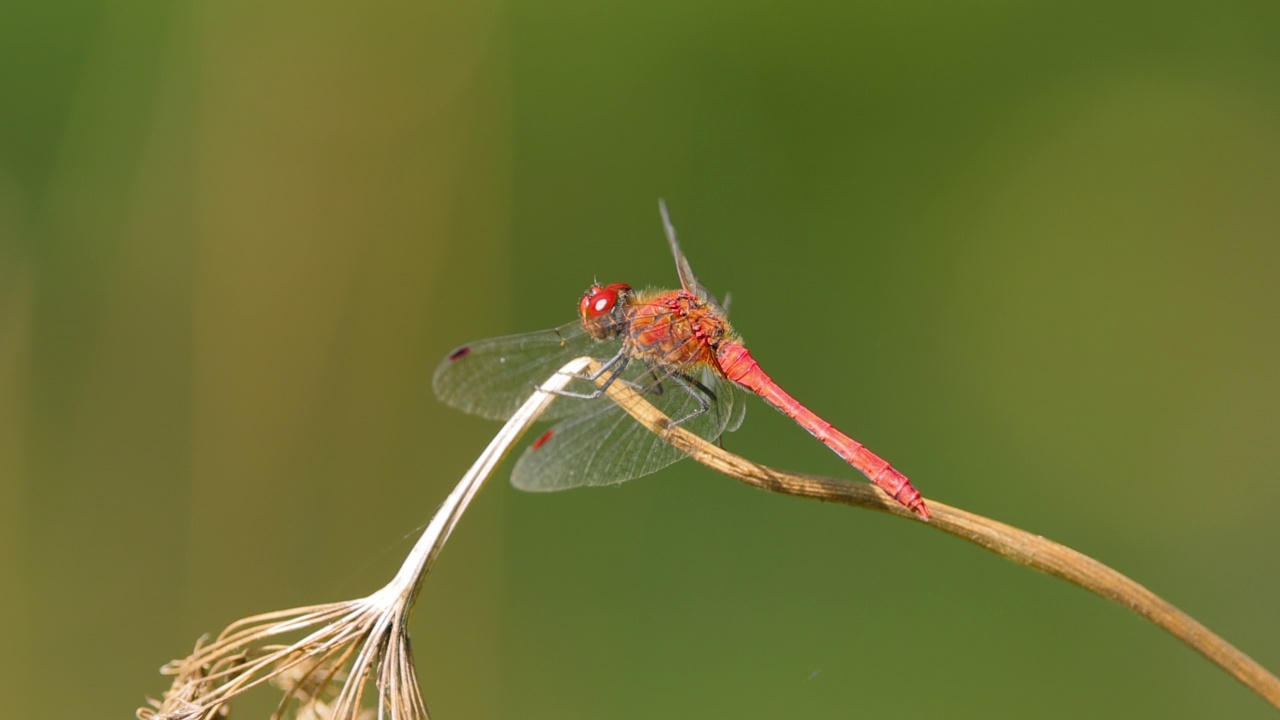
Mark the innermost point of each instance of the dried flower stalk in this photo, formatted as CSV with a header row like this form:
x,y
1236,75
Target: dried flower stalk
x,y
347,644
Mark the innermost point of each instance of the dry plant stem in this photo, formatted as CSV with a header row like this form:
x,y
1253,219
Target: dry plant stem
x,y
1020,546
371,632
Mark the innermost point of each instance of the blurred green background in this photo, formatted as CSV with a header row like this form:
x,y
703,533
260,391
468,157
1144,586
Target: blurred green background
x,y
1027,251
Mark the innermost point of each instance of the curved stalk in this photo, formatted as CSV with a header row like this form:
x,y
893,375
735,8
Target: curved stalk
x,y
1022,547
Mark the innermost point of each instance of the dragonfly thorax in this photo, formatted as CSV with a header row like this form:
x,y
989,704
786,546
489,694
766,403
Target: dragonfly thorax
x,y
674,329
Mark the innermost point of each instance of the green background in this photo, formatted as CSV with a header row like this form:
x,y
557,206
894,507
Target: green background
x,y
1029,252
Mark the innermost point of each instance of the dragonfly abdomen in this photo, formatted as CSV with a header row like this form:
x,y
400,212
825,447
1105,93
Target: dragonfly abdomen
x,y
737,364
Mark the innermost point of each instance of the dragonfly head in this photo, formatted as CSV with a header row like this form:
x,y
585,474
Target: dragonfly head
x,y
601,309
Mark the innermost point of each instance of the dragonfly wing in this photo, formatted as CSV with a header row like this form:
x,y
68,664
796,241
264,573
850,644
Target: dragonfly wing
x,y
737,412
688,280
492,378
606,446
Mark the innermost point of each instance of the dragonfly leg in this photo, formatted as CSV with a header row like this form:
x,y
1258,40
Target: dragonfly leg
x,y
702,394
613,367
655,385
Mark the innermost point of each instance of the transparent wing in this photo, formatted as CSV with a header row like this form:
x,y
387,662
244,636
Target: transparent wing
x,y
688,280
605,446
491,378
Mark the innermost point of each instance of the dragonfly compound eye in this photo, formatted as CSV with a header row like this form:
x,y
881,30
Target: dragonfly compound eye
x,y
600,301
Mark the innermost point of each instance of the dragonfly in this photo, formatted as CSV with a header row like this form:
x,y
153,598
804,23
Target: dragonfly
x,y
675,347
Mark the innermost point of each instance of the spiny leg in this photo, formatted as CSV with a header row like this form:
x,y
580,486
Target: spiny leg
x,y
613,367
655,381
701,394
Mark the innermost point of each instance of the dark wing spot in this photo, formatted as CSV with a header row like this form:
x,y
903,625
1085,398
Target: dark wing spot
x,y
460,353
542,440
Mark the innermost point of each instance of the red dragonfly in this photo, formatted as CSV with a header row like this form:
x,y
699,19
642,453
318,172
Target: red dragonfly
x,y
674,346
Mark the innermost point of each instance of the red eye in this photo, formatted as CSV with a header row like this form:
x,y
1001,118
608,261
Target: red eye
x,y
600,301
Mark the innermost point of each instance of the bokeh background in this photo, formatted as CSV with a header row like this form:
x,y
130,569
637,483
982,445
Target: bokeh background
x,y
1027,251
